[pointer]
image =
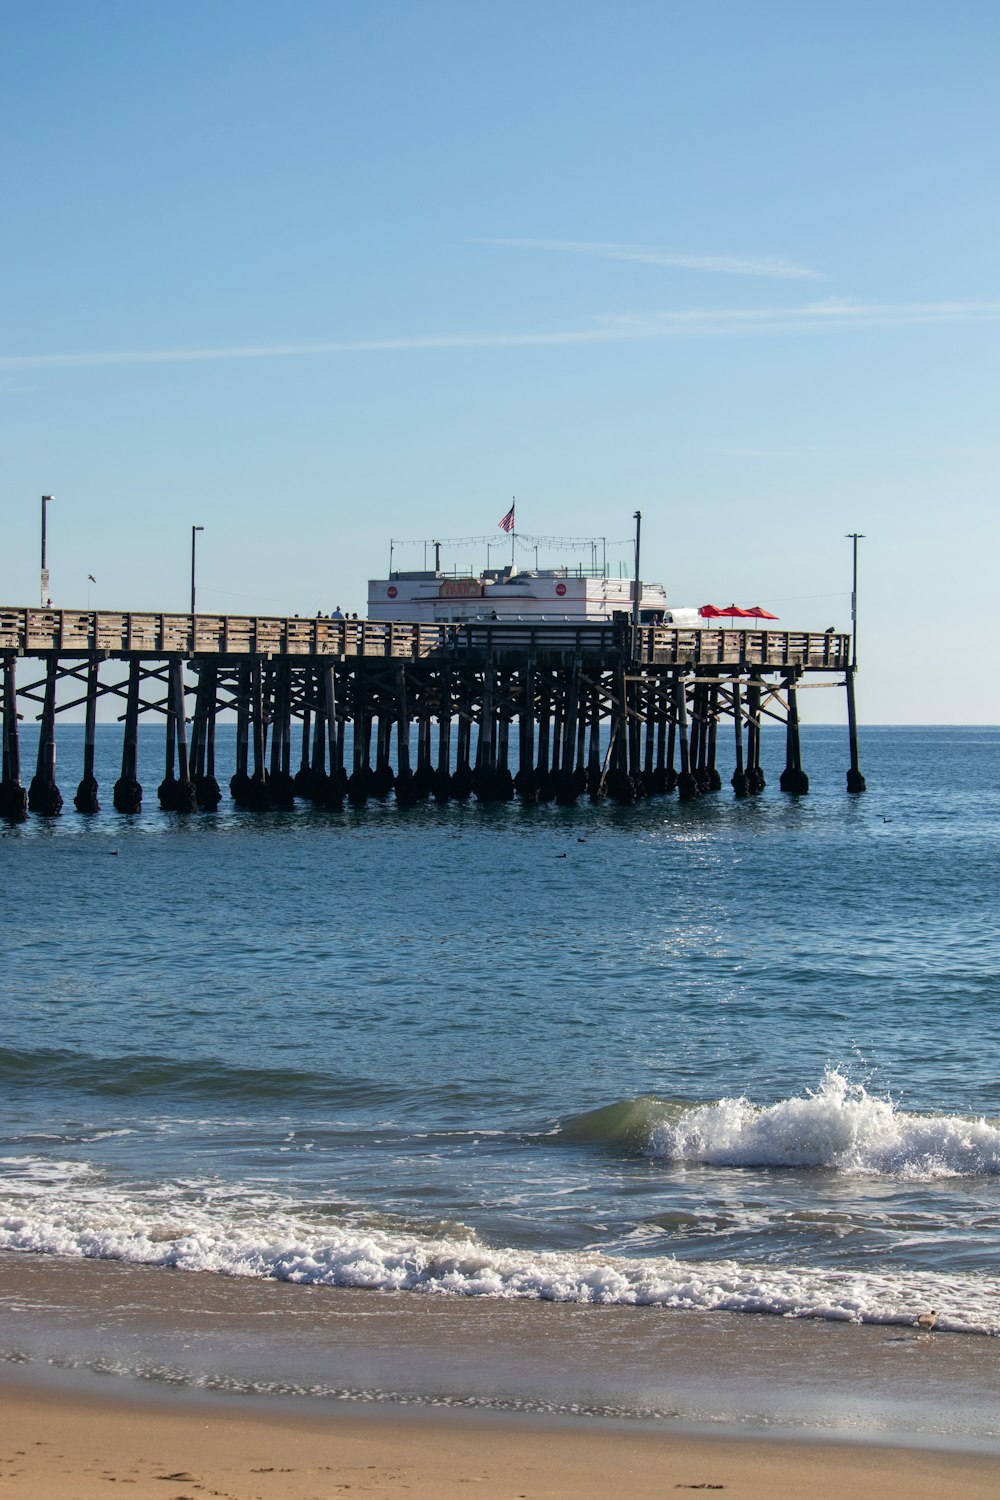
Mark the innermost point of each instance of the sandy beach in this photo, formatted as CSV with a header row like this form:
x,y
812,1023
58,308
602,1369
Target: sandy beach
x,y
182,1385
74,1448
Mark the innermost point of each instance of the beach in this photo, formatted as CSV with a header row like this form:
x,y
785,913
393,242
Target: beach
x,y
73,1448
187,1384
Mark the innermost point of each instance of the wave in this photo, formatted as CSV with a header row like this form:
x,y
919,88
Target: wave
x,y
839,1127
137,1074
69,1209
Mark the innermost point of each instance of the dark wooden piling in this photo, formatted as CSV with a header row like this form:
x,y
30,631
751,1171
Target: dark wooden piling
x,y
406,792
503,781
239,784
567,785
595,776
855,781
127,795
712,703
336,785
755,774
280,785
207,789
311,730
85,800
461,777
13,796
43,795
670,711
258,797
441,780
793,779
698,730
543,737
185,791
358,783
687,781
740,783
423,775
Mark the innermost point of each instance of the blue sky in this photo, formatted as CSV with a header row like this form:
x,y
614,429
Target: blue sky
x,y
318,275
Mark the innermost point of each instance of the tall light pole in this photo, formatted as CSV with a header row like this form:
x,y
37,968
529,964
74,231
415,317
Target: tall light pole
x,y
855,537
45,571
636,587
194,543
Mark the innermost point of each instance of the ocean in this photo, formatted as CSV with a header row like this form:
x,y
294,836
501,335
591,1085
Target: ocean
x,y
717,1057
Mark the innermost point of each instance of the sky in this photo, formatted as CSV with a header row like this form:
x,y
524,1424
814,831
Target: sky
x,y
321,275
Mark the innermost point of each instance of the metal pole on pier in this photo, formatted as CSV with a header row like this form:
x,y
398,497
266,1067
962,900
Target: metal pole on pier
x,y
45,571
636,588
854,537
194,539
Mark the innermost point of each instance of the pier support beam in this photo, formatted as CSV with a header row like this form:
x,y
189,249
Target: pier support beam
x,y
687,782
855,781
358,784
208,791
43,795
85,800
755,776
740,783
441,778
793,779
127,796
13,797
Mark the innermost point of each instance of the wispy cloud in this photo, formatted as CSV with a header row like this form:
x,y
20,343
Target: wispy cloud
x,y
649,255
699,322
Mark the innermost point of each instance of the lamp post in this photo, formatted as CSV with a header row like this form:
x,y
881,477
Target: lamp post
x,y
855,537
45,571
636,588
855,780
194,543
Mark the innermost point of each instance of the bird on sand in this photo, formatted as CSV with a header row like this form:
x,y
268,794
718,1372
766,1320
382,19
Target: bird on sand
x,y
927,1320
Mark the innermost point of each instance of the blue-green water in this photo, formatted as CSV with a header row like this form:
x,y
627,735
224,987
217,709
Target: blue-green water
x,y
722,1054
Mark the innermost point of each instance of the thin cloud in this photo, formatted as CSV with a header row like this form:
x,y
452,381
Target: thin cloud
x,y
649,255
628,328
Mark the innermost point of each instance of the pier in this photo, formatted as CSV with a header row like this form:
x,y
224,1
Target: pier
x,y
337,711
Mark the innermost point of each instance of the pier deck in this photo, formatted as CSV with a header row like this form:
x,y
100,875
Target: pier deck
x,y
582,709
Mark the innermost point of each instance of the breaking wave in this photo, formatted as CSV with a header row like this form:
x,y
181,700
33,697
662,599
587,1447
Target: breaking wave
x,y
838,1127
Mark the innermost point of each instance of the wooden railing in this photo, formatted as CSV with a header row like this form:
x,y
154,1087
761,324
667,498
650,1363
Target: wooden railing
x,y
36,632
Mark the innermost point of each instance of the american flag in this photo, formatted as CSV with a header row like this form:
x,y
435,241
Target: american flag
x,y
507,523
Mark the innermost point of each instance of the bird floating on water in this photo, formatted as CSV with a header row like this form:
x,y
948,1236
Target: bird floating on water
x,y
927,1321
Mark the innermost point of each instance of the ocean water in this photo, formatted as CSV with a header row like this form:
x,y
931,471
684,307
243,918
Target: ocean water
x,y
726,1055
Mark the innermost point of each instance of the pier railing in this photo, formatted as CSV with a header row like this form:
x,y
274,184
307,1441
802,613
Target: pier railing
x,y
85,633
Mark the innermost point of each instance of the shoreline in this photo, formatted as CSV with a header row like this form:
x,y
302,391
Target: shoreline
x,y
70,1447
80,1327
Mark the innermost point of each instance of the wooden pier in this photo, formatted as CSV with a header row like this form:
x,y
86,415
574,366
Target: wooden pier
x,y
493,710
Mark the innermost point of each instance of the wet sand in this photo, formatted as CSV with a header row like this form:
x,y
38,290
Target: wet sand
x,y
182,1385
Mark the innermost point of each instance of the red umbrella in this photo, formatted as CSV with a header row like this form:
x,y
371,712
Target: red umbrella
x,y
760,614
711,612
734,609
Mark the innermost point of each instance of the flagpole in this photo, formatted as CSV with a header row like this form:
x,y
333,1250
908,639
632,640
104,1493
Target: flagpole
x,y
513,502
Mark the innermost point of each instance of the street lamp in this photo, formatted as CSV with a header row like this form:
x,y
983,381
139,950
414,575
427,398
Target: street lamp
x,y
45,571
194,543
636,587
855,537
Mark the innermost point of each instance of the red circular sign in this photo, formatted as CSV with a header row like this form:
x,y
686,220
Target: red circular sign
x,y
392,591
560,589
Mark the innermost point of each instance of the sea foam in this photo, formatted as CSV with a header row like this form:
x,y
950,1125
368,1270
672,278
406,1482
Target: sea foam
x,y
839,1126
197,1229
